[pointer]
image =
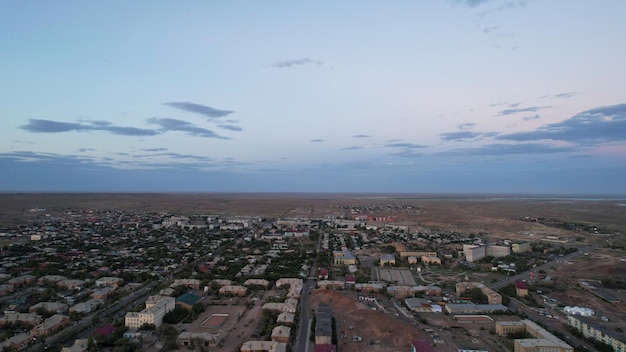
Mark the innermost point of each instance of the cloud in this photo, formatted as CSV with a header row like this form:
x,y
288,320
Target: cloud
x,y
316,140
508,149
404,145
229,127
49,126
470,3
561,95
361,136
490,29
174,156
354,147
84,150
204,110
600,125
168,124
532,117
466,126
517,111
456,136
296,62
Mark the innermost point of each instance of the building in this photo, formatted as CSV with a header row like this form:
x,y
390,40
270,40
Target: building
x,y
325,348
257,282
87,306
471,308
520,247
473,253
540,345
191,339
109,281
431,259
263,346
234,290
187,300
286,318
521,288
498,251
281,333
54,307
17,342
509,327
156,307
344,258
80,345
49,325
190,283
24,318
387,259
492,296
421,346
592,330
323,325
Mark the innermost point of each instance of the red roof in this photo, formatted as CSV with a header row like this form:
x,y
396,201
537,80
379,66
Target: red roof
x,y
323,272
325,348
350,278
105,330
521,284
422,346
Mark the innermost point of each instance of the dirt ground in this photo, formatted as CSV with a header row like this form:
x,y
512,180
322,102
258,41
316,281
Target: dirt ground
x,y
380,331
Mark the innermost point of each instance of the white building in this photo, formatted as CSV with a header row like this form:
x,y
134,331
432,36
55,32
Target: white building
x,y
156,307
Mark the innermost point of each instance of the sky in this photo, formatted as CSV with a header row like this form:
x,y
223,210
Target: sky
x,y
437,96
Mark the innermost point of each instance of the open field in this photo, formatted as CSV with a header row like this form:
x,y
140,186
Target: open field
x,y
491,215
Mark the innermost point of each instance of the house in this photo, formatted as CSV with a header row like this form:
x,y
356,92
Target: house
x,y
520,247
421,346
102,293
431,259
80,345
344,258
222,282
234,290
521,288
286,318
17,342
190,339
24,318
263,346
350,280
387,259
49,325
323,274
72,284
257,282
50,279
328,284
190,283
87,306
109,281
54,307
281,333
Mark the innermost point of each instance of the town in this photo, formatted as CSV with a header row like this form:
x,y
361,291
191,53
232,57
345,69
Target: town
x,y
360,278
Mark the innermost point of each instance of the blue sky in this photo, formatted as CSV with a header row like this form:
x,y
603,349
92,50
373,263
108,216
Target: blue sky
x,y
472,96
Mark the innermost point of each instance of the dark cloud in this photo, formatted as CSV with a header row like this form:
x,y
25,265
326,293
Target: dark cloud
x,y
316,140
517,111
361,136
508,149
204,110
404,145
354,147
296,62
600,125
229,127
174,156
84,150
168,124
457,136
48,126
470,3
154,149
531,117
490,29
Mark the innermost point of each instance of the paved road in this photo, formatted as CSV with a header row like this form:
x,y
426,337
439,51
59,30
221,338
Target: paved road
x,y
302,339
526,274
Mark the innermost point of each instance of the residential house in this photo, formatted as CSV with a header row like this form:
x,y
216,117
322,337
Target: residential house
x,y
49,325
263,346
109,281
281,333
234,290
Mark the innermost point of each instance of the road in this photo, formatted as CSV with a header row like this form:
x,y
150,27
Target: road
x,y
526,274
556,325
